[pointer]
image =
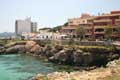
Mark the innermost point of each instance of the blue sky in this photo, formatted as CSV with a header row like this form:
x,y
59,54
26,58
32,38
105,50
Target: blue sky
x,y
50,13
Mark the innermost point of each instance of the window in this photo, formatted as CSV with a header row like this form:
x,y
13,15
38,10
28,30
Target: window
x,y
99,30
83,21
43,37
51,37
47,37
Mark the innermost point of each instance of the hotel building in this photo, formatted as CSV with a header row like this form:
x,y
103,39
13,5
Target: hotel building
x,y
100,23
25,26
94,26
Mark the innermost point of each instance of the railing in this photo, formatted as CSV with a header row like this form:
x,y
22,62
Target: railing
x,y
88,43
74,42
103,20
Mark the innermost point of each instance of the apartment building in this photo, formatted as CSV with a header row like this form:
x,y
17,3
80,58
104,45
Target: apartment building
x,y
85,21
94,26
26,25
104,21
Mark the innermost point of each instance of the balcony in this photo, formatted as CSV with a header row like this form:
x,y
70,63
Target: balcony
x,y
118,20
103,20
103,27
99,32
88,33
88,28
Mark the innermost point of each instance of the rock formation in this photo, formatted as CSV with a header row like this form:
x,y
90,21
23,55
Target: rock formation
x,y
64,55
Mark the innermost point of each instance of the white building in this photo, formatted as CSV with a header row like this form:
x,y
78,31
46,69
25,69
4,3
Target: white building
x,y
43,36
26,25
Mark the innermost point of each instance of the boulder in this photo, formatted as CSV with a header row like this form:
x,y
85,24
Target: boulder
x,y
58,57
29,45
63,56
15,49
59,47
35,49
54,50
11,44
82,58
39,77
2,49
47,51
78,57
87,59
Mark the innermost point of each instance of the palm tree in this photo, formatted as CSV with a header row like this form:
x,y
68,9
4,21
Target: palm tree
x,y
80,32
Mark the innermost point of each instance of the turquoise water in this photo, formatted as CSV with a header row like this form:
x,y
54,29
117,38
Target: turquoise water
x,y
22,67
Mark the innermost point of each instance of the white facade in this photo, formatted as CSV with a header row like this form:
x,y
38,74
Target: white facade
x,y
43,36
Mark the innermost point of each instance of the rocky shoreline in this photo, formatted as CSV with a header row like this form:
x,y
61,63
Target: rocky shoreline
x,y
96,74
70,55
60,54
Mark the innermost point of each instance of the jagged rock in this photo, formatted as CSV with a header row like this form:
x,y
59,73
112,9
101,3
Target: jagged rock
x,y
60,56
63,56
112,63
47,51
29,45
39,77
15,49
51,53
54,50
87,58
2,49
36,49
11,44
78,57
59,47
97,74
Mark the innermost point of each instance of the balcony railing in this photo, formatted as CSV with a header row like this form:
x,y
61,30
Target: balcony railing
x,y
99,32
103,20
117,20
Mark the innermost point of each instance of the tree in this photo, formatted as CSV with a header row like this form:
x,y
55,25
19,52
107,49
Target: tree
x,y
118,31
66,24
108,32
80,32
55,29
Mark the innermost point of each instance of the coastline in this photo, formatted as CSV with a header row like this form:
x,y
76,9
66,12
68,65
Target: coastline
x,y
91,58
108,73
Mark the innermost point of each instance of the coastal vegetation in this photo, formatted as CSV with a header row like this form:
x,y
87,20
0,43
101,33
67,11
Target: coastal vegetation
x,y
55,29
80,32
108,32
118,31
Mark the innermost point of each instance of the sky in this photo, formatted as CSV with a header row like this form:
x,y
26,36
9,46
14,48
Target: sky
x,y
50,13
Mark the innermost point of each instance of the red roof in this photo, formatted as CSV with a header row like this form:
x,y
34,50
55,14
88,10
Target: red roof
x,y
115,12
